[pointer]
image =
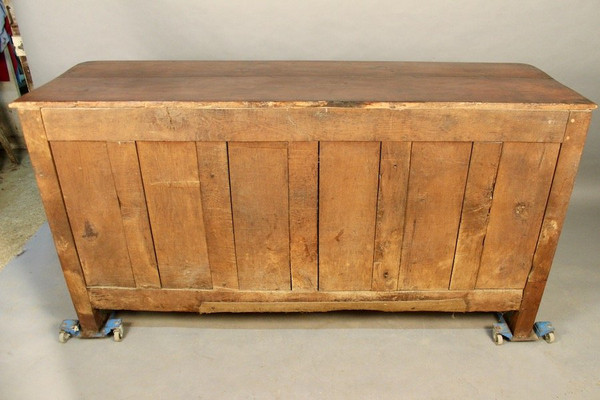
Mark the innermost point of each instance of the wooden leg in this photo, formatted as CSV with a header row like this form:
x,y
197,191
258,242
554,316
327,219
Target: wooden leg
x,y
92,323
91,320
521,322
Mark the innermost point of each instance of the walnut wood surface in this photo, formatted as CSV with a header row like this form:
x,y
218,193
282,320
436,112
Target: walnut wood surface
x,y
303,196
90,319
288,81
305,186
347,212
522,321
134,213
172,187
303,124
438,172
191,300
477,203
94,212
259,199
522,187
394,170
213,168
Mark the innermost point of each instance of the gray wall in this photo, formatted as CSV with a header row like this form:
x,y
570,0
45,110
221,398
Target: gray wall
x,y
560,37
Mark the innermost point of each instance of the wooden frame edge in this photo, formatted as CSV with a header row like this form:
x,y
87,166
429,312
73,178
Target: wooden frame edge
x,y
521,321
91,320
198,300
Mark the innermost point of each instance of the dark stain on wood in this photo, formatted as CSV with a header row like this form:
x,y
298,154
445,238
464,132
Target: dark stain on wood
x,y
89,231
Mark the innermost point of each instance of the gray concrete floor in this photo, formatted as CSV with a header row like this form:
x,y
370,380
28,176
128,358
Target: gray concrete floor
x,y
338,355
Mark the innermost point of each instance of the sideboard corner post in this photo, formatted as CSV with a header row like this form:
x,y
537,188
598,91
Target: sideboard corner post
x,y
521,321
91,320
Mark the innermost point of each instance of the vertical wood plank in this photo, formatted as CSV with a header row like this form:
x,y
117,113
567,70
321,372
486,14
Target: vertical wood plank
x,y
90,319
130,192
259,194
477,203
92,205
522,188
303,197
348,182
438,172
521,322
172,186
216,203
391,208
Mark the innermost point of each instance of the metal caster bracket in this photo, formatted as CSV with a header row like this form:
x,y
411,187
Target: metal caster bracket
x,y
70,328
541,330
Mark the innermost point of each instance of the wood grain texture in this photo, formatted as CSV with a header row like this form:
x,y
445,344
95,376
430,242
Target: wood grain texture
x,y
391,209
303,198
304,124
182,69
92,205
280,82
211,307
477,203
522,321
438,172
90,319
259,194
245,211
191,300
522,187
213,166
172,186
348,180
134,214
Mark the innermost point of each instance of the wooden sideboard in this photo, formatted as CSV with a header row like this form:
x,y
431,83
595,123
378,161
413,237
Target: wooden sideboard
x,y
305,186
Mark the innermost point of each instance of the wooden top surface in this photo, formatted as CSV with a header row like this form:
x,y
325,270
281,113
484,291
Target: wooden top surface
x,y
233,84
